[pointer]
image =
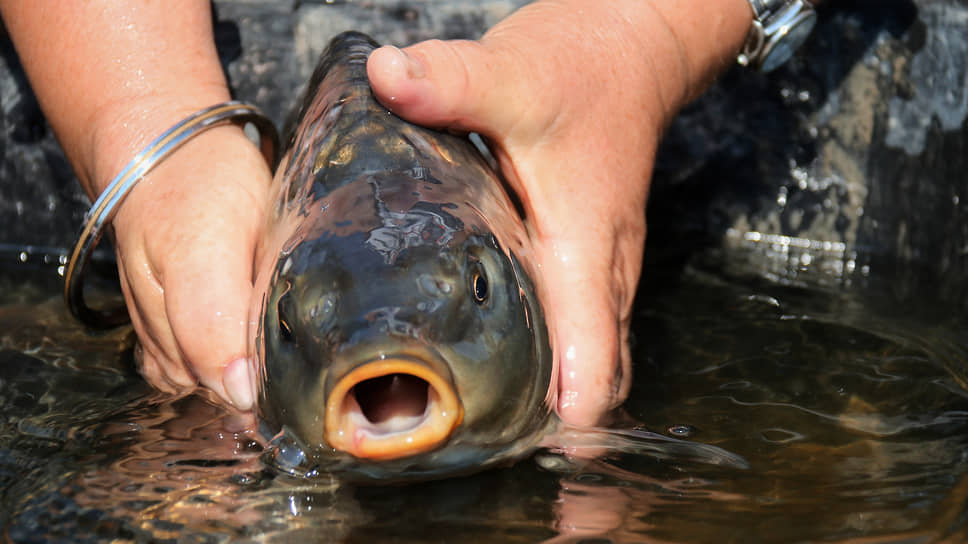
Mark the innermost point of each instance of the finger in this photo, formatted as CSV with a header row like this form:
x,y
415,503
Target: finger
x,y
587,321
451,83
208,286
158,357
208,300
590,263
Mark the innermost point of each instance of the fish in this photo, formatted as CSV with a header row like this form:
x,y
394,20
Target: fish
x,y
397,330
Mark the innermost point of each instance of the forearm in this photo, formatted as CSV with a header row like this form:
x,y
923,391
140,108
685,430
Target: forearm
x,y
112,75
709,35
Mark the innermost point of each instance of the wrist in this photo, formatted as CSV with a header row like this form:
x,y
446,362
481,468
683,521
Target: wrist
x,y
671,49
124,126
707,37
217,166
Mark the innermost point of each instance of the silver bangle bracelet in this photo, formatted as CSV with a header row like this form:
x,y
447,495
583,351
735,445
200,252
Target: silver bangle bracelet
x,y
107,205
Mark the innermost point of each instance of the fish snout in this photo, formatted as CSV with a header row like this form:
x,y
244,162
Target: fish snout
x,y
392,407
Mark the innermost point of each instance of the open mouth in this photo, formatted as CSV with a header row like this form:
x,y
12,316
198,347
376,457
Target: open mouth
x,y
391,408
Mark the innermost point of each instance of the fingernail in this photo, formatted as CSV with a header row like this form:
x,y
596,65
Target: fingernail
x,y
237,380
414,68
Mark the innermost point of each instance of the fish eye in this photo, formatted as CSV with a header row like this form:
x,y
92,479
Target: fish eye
x,y
479,285
285,329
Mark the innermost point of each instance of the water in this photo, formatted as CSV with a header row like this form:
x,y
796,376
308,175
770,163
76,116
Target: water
x,y
846,406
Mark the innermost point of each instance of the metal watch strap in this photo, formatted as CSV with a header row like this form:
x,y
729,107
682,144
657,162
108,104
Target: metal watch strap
x,y
779,28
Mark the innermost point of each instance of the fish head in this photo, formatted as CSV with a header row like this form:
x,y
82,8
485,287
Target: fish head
x,y
399,333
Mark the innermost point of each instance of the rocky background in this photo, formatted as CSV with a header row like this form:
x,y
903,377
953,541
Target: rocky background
x,y
844,166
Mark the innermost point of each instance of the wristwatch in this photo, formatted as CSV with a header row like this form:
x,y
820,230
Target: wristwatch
x,y
779,28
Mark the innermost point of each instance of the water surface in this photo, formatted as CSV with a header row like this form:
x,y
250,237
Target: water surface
x,y
846,406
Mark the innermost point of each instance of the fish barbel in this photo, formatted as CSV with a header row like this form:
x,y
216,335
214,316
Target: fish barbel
x,y
397,330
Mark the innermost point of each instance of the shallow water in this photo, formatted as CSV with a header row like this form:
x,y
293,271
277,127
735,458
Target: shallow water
x,y
846,406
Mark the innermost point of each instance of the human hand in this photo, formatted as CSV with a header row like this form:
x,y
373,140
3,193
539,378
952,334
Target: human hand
x,y
185,236
573,99
185,241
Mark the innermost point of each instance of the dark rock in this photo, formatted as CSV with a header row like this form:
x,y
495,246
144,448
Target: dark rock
x,y
845,166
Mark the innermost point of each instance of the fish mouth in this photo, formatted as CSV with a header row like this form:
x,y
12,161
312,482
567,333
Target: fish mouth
x,y
391,408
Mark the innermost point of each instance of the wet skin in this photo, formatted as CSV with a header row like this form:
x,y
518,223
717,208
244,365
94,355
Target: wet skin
x,y
397,328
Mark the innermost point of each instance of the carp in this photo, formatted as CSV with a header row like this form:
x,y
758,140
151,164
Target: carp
x,y
396,326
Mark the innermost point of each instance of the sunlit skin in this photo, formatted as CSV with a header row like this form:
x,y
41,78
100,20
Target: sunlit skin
x,y
572,94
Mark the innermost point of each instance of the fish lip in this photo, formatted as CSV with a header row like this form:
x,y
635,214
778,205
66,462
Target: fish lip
x,y
347,429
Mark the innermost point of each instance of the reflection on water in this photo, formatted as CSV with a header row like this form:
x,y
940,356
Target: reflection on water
x,y
845,411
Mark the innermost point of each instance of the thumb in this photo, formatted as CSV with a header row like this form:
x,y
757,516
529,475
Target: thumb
x,y
205,247
587,312
449,83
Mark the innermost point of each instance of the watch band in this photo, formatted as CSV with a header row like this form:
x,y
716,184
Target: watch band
x,y
779,28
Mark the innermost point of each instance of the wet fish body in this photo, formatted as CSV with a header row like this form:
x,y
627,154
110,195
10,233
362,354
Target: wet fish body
x,y
397,327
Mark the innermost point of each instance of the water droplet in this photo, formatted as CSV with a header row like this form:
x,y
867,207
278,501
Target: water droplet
x,y
243,479
780,436
682,431
553,462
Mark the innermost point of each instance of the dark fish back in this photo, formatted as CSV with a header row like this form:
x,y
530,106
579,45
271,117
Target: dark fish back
x,y
345,132
349,52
